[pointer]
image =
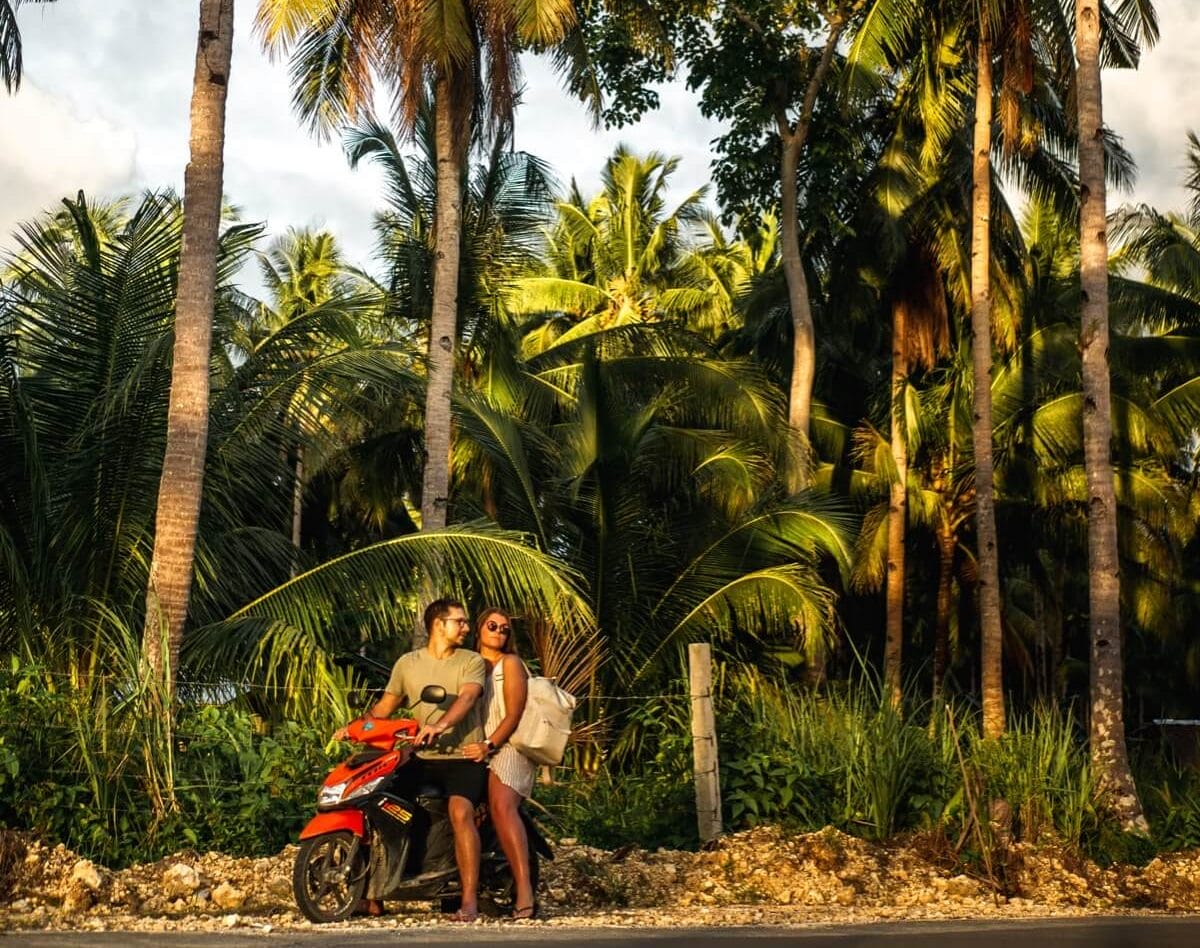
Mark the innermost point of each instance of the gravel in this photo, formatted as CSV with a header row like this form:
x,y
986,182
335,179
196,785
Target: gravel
x,y
763,876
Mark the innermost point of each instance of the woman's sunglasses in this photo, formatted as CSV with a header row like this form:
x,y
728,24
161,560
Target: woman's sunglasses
x,y
494,626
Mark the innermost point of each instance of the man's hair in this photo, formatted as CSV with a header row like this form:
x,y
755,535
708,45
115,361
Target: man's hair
x,y
439,609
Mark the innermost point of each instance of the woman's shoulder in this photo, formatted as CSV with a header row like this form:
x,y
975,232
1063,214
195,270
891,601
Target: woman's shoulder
x,y
511,664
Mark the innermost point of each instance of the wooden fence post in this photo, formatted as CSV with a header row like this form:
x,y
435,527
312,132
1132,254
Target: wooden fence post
x,y
704,743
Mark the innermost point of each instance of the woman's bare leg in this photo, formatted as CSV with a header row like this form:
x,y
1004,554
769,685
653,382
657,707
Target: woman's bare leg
x,y
503,802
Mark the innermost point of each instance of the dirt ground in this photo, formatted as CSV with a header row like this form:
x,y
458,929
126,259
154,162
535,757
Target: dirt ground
x,y
763,876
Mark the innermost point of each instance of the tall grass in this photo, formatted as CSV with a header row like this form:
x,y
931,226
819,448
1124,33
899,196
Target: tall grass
x,y
94,755
847,759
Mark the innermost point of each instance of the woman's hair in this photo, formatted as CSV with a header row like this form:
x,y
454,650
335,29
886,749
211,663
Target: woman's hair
x,y
482,621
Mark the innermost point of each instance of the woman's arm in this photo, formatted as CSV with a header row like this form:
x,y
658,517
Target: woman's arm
x,y
515,690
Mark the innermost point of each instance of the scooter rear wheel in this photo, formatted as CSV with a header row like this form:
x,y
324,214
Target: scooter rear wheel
x,y
329,876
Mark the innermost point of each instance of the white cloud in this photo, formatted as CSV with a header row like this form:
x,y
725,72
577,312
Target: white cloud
x,y
1153,107
558,129
53,151
124,71
105,107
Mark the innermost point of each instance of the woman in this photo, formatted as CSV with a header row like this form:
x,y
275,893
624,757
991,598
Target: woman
x,y
510,773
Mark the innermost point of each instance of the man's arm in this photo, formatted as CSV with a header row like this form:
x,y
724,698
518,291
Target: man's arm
x,y
385,707
468,694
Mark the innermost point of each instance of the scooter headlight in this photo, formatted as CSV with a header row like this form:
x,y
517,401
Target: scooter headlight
x,y
368,787
331,796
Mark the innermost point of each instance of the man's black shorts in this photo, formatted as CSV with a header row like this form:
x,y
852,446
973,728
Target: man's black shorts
x,y
455,778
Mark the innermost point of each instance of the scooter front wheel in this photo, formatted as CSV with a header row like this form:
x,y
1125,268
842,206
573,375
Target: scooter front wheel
x,y
329,876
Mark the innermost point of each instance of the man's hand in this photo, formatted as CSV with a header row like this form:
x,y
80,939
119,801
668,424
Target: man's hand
x,y
429,733
477,752
342,733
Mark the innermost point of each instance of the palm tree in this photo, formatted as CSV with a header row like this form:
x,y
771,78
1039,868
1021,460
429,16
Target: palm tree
x,y
622,258
11,62
81,432
1027,41
658,456
991,633
1106,722
172,561
303,270
506,203
340,46
659,459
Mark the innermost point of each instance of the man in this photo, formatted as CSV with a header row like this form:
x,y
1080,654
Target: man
x,y
445,729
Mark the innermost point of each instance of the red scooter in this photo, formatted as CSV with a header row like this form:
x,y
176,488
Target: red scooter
x,y
380,830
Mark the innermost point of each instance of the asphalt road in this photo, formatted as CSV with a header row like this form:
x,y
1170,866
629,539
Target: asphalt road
x,y
1092,932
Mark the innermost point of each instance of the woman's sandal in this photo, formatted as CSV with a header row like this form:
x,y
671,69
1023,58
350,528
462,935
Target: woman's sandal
x,y
372,908
465,917
525,913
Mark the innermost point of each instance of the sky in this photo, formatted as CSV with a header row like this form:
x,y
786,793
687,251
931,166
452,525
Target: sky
x,y
104,108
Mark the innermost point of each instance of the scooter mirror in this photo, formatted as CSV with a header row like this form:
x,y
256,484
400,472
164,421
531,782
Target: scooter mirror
x,y
433,694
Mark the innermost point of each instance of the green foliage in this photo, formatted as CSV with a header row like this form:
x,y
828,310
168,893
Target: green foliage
x,y
847,760
1173,807
241,787
646,808
643,793
1040,768
85,763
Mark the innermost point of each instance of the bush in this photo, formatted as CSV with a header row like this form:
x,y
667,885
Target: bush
x,y
91,762
95,768
643,794
848,760
1040,768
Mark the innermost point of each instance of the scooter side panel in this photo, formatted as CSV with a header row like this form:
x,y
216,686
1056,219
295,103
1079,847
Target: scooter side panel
x,y
393,820
334,820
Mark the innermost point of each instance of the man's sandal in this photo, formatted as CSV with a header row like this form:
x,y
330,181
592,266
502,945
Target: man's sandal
x,y
525,913
465,917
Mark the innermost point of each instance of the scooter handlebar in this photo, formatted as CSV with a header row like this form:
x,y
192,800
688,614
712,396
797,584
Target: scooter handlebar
x,y
381,732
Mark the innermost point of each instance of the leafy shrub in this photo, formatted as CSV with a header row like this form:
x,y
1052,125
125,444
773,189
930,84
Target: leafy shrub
x,y
643,794
847,760
1040,768
94,767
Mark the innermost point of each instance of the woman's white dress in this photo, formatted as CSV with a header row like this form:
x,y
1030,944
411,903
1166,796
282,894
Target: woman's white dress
x,y
510,766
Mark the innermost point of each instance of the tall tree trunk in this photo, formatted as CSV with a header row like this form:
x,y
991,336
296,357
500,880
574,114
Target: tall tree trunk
x,y
297,506
990,630
451,137
443,329
178,513
804,353
804,350
1110,760
897,520
946,542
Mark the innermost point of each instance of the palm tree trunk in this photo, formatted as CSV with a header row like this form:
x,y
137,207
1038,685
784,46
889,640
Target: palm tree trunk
x,y
1110,760
897,520
178,513
990,631
945,602
297,505
804,353
451,137
443,330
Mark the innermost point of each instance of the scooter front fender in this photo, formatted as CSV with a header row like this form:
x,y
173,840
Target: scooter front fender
x,y
333,821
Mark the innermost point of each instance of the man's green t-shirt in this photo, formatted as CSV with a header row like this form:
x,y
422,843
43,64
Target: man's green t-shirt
x,y
413,671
